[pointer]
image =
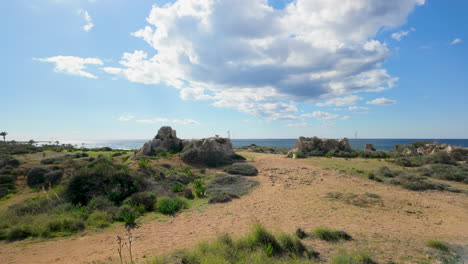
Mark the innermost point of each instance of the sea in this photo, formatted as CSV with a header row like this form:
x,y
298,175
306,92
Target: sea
x,y
379,144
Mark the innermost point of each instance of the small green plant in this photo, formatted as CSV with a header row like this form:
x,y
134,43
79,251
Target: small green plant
x,y
170,206
200,188
188,171
144,163
439,245
331,234
128,215
177,188
268,249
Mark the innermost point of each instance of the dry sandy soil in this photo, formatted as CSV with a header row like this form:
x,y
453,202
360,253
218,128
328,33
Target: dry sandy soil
x,y
292,194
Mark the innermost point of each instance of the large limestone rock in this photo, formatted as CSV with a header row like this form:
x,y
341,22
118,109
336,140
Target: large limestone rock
x,y
166,140
315,146
213,151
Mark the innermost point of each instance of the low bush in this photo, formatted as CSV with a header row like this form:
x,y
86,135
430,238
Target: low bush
x,y
447,172
171,206
99,219
387,172
144,163
101,178
200,188
352,258
145,199
439,245
35,177
7,185
66,225
244,169
177,188
128,214
331,234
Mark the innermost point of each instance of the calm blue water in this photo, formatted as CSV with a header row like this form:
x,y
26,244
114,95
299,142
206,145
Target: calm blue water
x,y
380,144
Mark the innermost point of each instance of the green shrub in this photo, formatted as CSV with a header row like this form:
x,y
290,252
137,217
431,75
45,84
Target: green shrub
x,y
260,237
188,171
65,225
100,179
331,235
144,163
18,233
439,245
356,258
145,199
99,219
177,188
35,177
200,188
292,245
128,215
230,184
244,169
387,172
170,206
447,172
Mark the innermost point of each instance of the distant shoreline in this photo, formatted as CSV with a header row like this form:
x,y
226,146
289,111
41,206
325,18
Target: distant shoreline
x,y
379,144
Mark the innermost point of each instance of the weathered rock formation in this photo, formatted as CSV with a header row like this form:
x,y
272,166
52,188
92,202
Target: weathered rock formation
x,y
370,147
213,151
457,153
166,140
315,146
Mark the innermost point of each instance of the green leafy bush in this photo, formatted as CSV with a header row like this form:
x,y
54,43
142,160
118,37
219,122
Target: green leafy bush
x,y
439,245
170,206
177,188
144,163
128,215
99,219
200,188
101,179
145,199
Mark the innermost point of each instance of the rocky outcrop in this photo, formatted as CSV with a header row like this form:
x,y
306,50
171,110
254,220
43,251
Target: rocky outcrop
x,y
213,151
418,148
315,146
166,140
370,147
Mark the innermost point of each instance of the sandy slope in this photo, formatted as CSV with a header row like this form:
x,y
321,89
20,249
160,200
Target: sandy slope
x,y
291,195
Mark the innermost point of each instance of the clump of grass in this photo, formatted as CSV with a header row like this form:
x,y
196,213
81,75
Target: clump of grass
x,y
331,234
352,258
200,188
439,245
258,246
144,163
170,206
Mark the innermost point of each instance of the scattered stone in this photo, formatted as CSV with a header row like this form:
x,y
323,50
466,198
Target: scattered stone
x,y
188,193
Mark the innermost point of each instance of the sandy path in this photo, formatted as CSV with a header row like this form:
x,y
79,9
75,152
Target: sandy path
x,y
291,195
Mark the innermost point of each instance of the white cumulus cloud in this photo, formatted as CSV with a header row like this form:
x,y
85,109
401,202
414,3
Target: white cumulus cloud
x,y
271,59
381,101
89,21
341,101
320,115
456,41
72,65
399,35
353,108
301,124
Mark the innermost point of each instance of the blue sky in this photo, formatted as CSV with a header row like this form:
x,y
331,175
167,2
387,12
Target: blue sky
x,y
276,69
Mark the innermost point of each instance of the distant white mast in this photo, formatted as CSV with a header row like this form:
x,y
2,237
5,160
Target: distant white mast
x,y
229,134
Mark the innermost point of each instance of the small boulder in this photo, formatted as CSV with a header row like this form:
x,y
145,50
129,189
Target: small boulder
x,y
222,198
244,169
370,147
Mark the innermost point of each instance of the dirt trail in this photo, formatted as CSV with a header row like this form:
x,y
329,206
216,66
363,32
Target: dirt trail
x,y
290,195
